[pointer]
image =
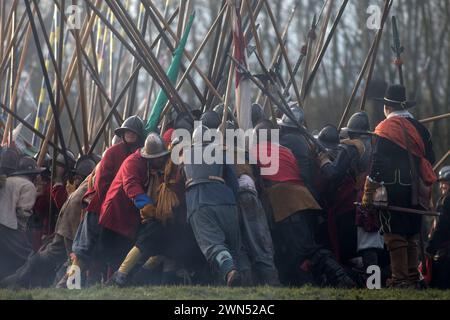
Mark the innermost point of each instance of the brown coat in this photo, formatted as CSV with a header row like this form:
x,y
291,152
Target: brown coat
x,y
70,213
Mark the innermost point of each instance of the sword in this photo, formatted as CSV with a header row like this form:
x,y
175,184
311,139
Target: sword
x,y
401,209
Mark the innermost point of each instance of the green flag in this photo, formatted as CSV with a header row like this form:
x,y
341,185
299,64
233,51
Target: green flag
x,y
172,74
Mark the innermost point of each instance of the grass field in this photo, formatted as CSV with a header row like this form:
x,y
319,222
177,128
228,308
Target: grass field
x,y
203,293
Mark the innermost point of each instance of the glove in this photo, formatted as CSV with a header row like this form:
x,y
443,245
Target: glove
x,y
147,212
323,159
142,200
370,188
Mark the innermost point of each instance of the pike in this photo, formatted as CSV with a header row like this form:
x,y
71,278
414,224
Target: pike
x,y
360,77
401,209
398,49
283,49
320,56
47,79
113,108
150,62
28,126
281,104
387,8
158,49
151,7
58,78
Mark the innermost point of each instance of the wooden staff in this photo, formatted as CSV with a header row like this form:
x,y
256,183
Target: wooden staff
x,y
27,125
196,55
148,5
278,54
357,84
158,49
387,8
323,50
130,99
284,52
435,118
149,63
214,50
46,78
114,107
440,162
7,136
70,75
58,78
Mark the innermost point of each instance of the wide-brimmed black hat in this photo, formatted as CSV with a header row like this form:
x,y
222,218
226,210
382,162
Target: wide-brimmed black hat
x,y
395,97
27,166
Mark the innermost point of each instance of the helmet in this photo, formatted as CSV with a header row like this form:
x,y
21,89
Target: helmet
x,y
358,123
183,121
133,124
85,165
197,113
9,157
27,166
299,116
219,110
257,114
154,147
329,136
116,139
444,174
201,136
211,119
61,161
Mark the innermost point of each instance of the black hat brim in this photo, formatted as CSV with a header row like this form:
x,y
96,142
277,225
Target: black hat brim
x,y
121,131
408,104
36,171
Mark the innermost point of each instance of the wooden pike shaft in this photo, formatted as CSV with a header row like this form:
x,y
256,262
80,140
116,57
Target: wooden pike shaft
x,y
27,125
70,74
357,84
150,63
58,80
440,162
171,47
323,50
46,77
196,55
155,10
158,50
16,38
435,118
284,52
387,8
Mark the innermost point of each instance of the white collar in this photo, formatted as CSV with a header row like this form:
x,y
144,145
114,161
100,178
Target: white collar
x,y
400,113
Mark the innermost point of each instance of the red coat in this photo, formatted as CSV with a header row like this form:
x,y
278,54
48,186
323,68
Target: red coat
x,y
118,212
105,173
59,195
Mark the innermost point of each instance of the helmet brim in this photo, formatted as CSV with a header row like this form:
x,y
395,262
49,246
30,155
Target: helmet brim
x,y
153,156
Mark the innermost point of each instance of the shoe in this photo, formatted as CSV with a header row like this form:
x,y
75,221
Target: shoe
x,y
233,278
119,279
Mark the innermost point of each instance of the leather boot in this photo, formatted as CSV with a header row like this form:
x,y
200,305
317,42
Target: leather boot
x,y
413,262
398,251
324,263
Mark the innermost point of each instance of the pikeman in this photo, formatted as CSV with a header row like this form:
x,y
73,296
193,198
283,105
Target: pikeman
x,y
211,192
402,167
439,245
17,197
132,134
346,175
40,267
295,212
128,205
